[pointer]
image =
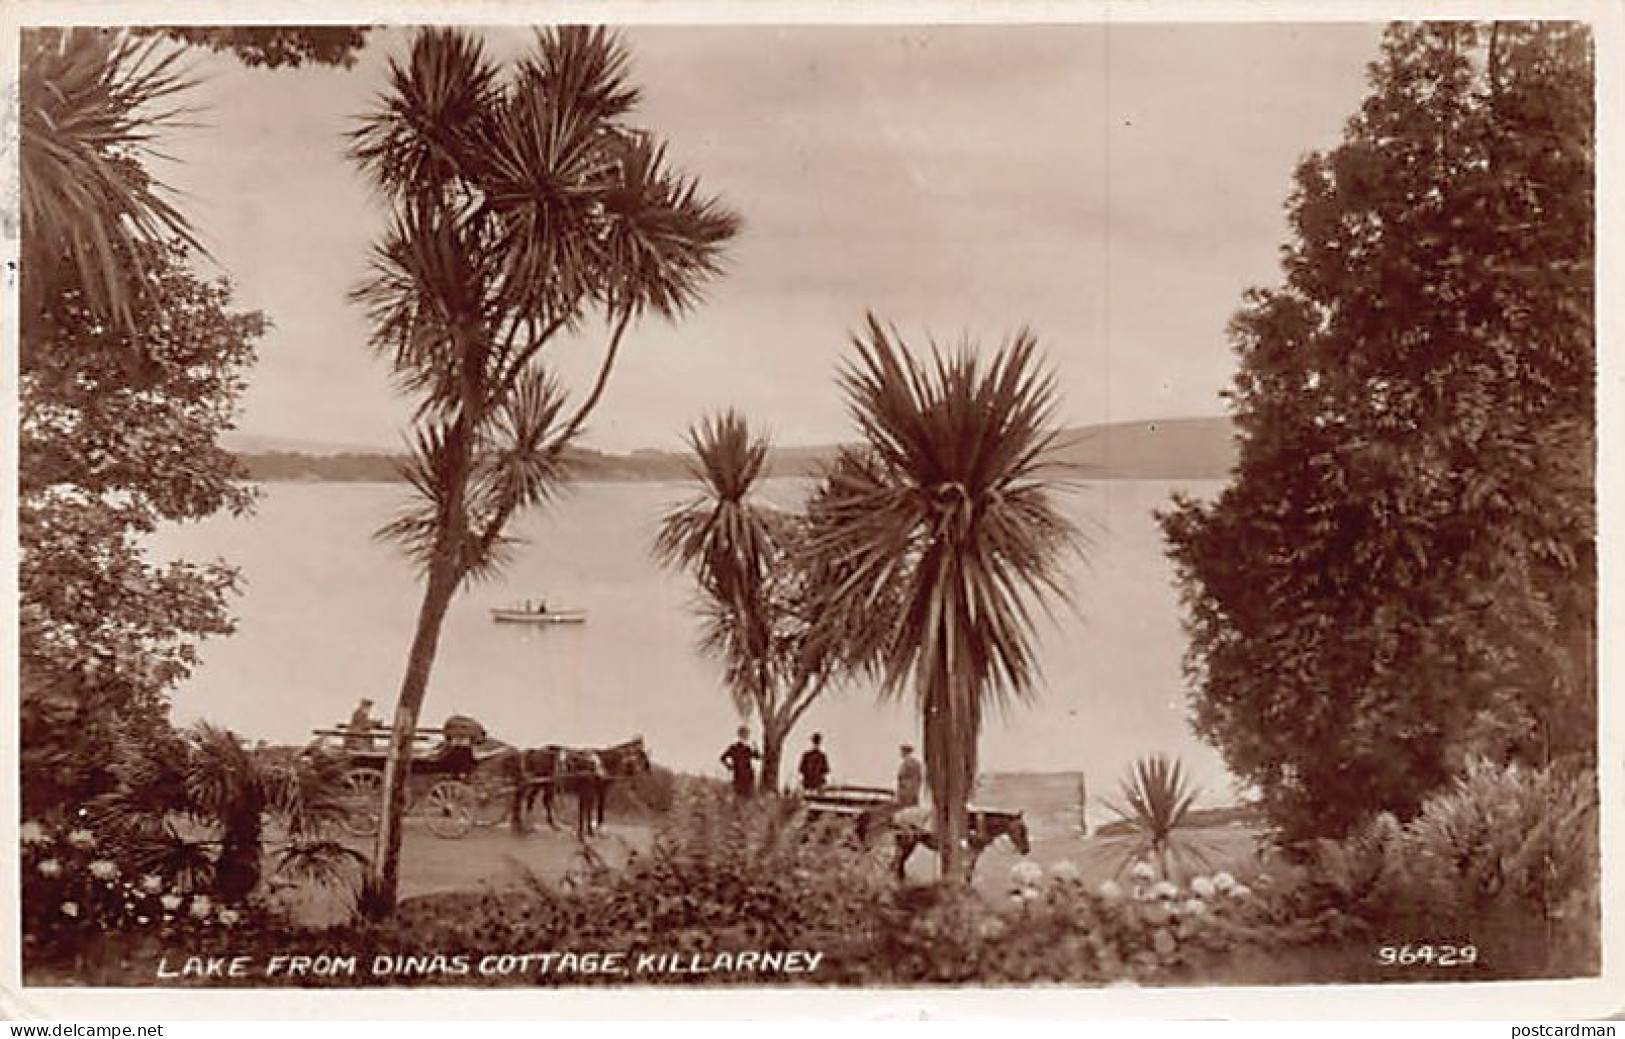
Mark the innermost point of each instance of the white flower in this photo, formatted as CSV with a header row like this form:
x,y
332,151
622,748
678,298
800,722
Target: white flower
x,y
32,833
142,920
1241,891
1142,871
1194,906
152,883
1202,887
1109,891
50,868
104,869
229,916
1223,881
1027,873
1066,869
170,902
1163,889
81,838
70,909
200,907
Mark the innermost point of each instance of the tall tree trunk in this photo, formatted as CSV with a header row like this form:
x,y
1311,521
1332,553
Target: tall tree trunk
x,y
774,732
443,580
946,774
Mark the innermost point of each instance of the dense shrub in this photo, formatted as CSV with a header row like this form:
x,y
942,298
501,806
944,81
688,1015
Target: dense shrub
x,y
78,888
1506,855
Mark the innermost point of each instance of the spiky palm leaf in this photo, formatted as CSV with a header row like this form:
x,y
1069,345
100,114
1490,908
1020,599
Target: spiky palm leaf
x,y
1156,797
730,543
92,105
938,532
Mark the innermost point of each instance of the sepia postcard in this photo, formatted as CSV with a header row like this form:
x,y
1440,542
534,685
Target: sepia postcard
x,y
1083,510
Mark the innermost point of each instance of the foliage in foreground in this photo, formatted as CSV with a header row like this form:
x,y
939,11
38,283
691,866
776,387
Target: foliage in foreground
x,y
1402,574
725,876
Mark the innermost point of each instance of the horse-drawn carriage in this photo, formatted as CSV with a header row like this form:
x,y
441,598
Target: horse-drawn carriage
x,y
455,784
460,778
890,831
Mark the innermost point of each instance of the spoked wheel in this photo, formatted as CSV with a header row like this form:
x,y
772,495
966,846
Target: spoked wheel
x,y
491,798
363,790
449,809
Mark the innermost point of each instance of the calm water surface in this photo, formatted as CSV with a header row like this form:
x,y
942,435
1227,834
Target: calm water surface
x,y
327,614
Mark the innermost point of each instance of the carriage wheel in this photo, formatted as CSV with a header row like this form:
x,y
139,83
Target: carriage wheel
x,y
490,800
363,789
449,808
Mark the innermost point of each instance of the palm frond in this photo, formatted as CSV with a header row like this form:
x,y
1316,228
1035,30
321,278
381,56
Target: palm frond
x,y
661,240
433,121
91,107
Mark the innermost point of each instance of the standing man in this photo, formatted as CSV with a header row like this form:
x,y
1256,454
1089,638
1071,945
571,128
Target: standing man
x,y
814,765
910,778
737,759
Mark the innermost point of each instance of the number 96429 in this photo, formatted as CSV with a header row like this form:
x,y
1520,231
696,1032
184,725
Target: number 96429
x,y
1427,955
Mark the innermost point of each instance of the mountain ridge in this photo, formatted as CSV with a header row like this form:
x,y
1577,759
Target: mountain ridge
x,y
1165,448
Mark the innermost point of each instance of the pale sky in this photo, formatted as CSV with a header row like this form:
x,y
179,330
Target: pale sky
x,y
1114,189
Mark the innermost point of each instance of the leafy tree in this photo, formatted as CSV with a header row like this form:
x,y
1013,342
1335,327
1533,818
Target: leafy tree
x,y
1402,572
113,441
520,207
932,537
273,46
757,596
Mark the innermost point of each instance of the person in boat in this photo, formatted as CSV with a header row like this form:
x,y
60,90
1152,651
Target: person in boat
x,y
910,778
738,760
814,765
358,733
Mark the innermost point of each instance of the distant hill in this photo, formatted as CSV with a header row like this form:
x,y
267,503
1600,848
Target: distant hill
x,y
1180,448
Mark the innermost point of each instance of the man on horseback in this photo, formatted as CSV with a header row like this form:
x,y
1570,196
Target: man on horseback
x,y
910,778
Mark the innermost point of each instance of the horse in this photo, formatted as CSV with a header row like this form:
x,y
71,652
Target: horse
x,y
986,826
586,772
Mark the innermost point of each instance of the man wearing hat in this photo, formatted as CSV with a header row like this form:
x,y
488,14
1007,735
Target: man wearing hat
x,y
910,778
737,759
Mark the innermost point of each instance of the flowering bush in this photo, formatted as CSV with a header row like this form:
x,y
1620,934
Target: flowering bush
x,y
77,888
1059,928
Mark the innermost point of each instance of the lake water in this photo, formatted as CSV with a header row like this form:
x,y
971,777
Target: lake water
x,y
327,614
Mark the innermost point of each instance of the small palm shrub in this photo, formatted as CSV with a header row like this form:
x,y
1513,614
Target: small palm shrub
x,y
1156,798
199,808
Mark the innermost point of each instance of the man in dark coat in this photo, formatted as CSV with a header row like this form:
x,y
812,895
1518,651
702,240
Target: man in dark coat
x,y
737,759
814,765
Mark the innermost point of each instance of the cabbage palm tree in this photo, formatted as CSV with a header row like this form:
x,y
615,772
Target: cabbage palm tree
x,y
91,106
521,206
744,555
937,535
